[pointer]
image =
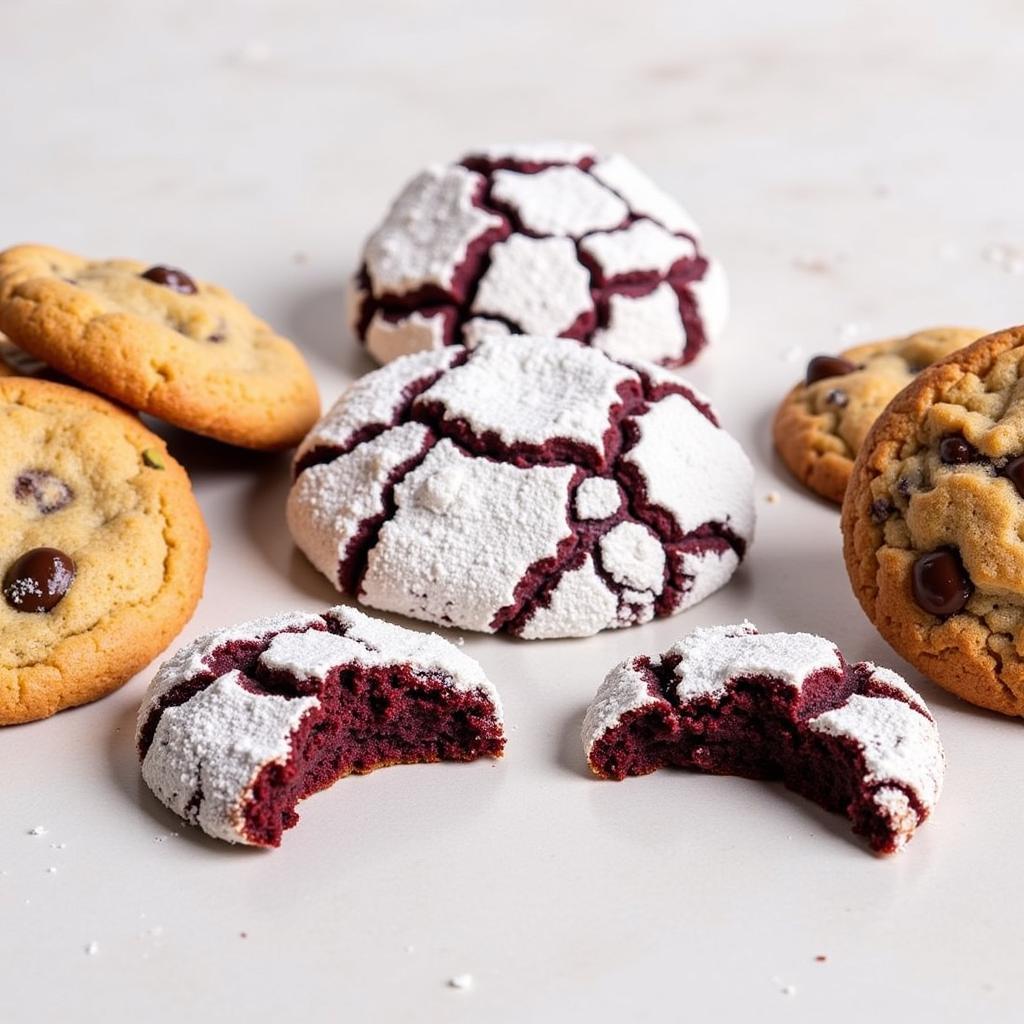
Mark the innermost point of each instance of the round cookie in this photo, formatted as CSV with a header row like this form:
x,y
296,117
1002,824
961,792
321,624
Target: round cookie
x,y
933,523
821,424
241,724
542,239
160,342
530,485
102,548
731,701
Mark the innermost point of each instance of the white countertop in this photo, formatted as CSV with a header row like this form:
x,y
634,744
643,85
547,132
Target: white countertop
x,y
857,167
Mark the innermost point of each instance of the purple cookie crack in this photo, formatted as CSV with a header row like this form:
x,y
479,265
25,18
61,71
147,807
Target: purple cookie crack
x,y
240,726
852,738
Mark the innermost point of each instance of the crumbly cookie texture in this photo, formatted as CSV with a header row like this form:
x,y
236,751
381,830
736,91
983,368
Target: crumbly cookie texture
x,y
102,548
731,701
242,723
158,341
821,424
544,239
531,485
934,518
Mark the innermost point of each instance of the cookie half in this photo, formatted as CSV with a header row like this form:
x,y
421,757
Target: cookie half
x,y
241,724
821,424
102,548
933,523
529,485
787,706
157,340
544,239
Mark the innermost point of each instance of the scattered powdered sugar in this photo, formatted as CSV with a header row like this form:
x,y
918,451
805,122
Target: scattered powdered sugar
x,y
536,283
92,948
463,982
559,201
1007,258
426,234
37,830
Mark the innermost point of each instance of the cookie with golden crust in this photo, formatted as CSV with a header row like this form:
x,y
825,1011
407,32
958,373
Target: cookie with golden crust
x,y
102,548
823,421
933,523
161,342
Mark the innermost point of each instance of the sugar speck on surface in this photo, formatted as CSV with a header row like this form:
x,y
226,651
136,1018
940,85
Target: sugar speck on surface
x,y
789,990
58,846
51,871
39,830
850,331
1005,257
461,982
93,948
410,949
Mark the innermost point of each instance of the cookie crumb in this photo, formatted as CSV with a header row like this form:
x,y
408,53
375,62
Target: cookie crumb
x,y
51,871
152,458
820,958
789,990
243,935
772,498
461,981
39,830
812,265
92,949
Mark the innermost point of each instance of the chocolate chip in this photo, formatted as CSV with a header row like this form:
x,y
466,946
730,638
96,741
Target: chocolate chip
x,y
216,337
170,277
1014,472
939,582
152,458
956,450
38,580
881,509
821,367
837,397
905,486
48,492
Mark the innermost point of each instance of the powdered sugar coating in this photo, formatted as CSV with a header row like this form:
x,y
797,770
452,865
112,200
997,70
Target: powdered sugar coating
x,y
546,239
521,492
205,752
388,339
535,284
459,562
532,393
559,201
427,233
597,498
883,723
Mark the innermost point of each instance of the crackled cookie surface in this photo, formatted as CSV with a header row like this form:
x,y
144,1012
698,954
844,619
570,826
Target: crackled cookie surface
x,y
102,548
530,484
731,701
934,519
159,341
241,724
821,424
544,239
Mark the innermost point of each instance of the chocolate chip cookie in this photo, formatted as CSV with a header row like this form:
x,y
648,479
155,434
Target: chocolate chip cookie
x,y
933,523
102,548
159,341
823,421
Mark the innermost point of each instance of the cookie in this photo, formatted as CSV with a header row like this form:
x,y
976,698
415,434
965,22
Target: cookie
x,y
102,548
855,739
544,239
933,521
530,485
158,341
240,725
822,422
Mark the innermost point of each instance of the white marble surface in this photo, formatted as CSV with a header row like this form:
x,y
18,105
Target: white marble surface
x,y
856,166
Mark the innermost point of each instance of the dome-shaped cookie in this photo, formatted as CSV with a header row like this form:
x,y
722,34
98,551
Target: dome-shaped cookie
x,y
530,484
731,701
242,723
544,239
